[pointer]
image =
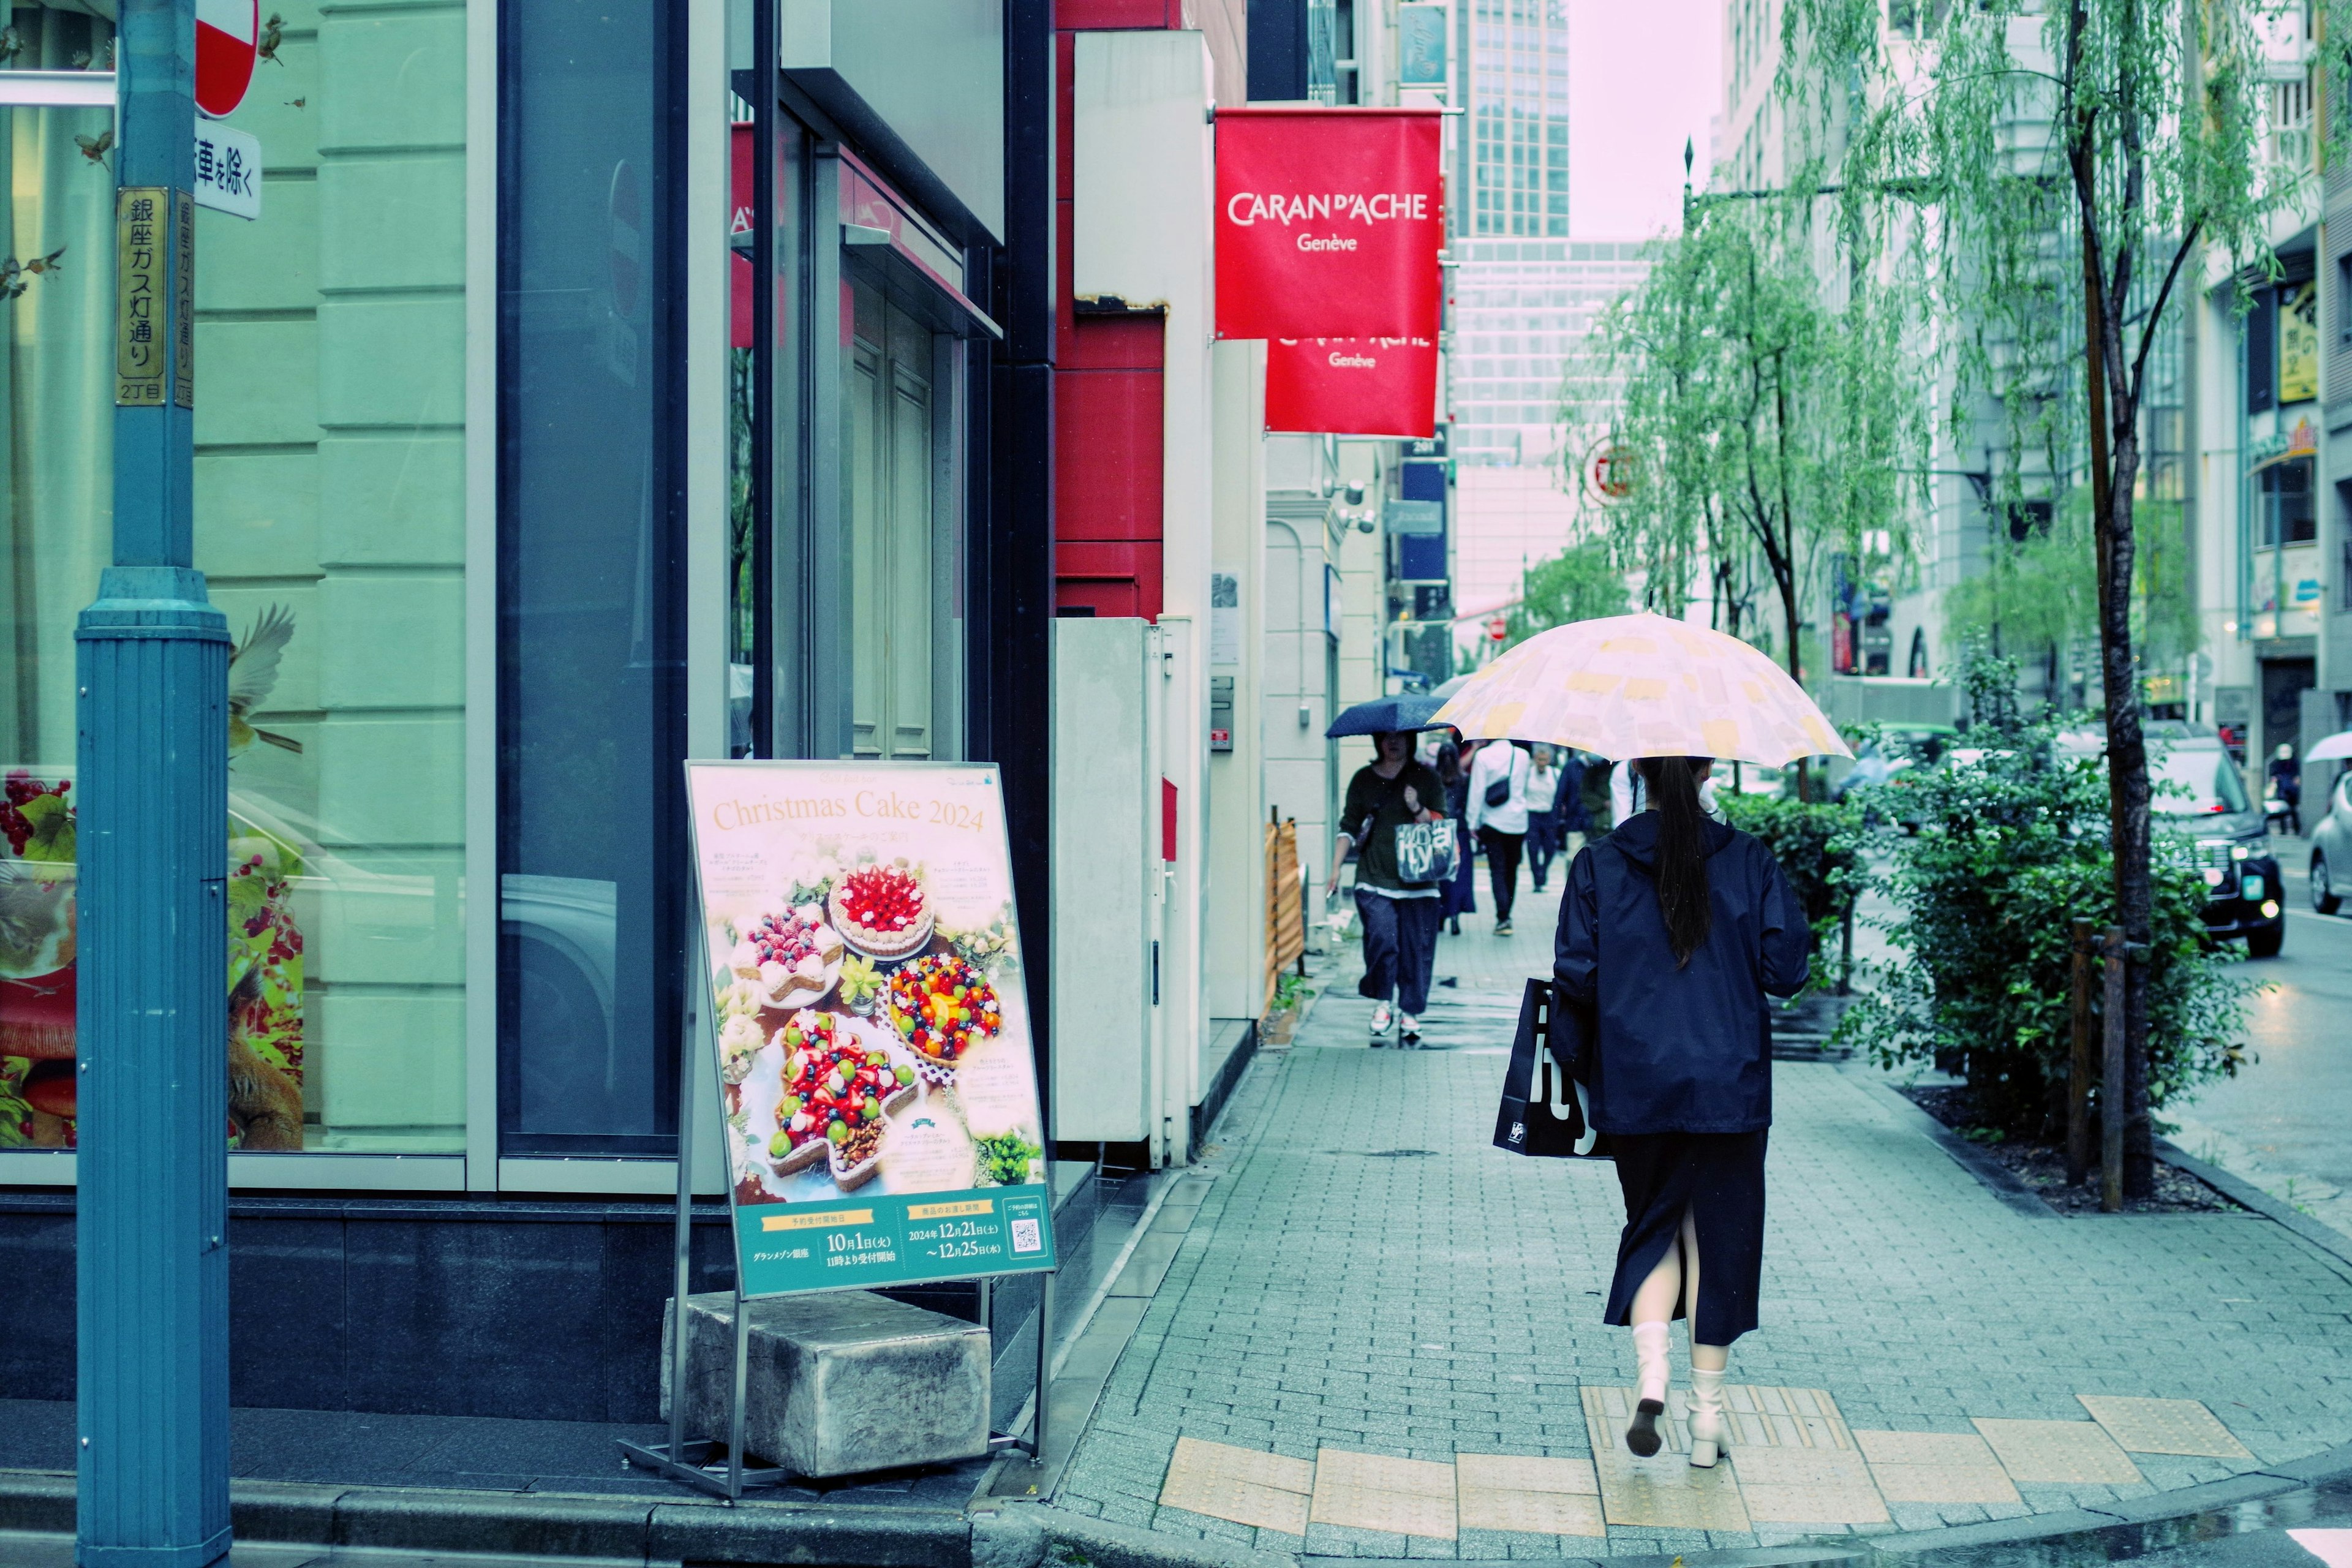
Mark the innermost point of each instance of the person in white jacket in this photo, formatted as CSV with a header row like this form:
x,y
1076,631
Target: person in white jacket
x,y
1626,795
1497,814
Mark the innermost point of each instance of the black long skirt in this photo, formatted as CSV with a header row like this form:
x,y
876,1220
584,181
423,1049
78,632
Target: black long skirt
x,y
1718,1178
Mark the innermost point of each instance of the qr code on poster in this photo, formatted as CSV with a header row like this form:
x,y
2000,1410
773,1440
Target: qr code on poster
x,y
1026,1238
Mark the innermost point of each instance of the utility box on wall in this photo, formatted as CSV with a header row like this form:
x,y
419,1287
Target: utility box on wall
x,y
1106,876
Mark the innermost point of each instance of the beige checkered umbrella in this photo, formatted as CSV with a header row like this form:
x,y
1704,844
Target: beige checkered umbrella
x,y
1643,686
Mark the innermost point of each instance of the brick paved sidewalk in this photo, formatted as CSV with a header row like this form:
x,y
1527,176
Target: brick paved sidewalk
x,y
1369,1281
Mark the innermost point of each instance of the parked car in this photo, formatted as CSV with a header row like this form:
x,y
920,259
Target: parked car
x,y
2331,846
2200,792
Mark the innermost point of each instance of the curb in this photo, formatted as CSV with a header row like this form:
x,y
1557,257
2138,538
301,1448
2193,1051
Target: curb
x,y
2239,1190
1996,1178
1007,1533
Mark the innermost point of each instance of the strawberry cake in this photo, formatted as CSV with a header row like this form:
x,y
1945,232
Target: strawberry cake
x,y
881,910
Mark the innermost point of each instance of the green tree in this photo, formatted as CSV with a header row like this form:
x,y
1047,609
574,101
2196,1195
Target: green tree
x,y
2049,170
1760,420
1583,583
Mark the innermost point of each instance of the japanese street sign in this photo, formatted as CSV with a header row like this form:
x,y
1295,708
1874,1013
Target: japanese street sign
x,y
142,313
154,239
227,33
1498,627
183,300
875,1069
1328,222
228,170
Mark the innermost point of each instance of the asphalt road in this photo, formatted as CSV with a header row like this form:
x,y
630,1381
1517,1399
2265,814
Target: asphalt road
x,y
2287,1110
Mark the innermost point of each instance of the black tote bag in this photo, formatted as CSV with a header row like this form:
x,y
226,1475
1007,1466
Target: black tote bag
x,y
1540,1115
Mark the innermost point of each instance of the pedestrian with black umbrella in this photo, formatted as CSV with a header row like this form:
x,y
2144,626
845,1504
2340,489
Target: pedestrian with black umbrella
x,y
1393,791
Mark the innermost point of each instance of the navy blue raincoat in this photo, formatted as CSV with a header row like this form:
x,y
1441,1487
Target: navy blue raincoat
x,y
1684,1049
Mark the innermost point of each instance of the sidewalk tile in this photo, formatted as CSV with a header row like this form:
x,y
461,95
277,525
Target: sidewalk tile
x,y
2058,1453
1663,1491
1534,1496
1526,1473
2164,1426
1762,1417
1242,1484
1373,1491
1948,1467
1530,1512
1807,1485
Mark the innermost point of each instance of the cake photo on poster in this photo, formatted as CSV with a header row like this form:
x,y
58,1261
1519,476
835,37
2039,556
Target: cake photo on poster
x,y
870,1021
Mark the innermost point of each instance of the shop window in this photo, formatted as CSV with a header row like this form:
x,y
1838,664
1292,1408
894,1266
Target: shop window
x,y
2287,513
590,608
57,399
329,509
2342,599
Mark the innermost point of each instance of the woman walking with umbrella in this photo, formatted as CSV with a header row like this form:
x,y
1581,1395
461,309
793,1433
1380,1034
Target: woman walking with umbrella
x,y
1673,930
1400,917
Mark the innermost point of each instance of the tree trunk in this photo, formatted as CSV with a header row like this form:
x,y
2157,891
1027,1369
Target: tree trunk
x,y
2127,783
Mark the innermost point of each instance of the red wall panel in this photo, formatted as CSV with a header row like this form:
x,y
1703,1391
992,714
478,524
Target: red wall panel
x,y
1108,383
1127,13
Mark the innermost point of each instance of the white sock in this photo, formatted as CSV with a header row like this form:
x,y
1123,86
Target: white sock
x,y
1650,1343
1706,1389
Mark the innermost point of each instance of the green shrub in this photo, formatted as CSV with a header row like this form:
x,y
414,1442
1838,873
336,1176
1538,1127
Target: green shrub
x,y
2011,849
1819,847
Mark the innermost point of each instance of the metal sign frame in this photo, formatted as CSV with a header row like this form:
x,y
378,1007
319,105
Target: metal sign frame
x,y
710,1464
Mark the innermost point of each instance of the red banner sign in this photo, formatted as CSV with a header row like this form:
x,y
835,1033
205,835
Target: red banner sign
x,y
1328,222
738,222
1353,386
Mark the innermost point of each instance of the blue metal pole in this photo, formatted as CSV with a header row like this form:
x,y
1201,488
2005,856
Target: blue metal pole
x,y
153,668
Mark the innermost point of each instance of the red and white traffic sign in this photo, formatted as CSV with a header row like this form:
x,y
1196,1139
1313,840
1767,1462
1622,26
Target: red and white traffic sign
x,y
227,33
1498,627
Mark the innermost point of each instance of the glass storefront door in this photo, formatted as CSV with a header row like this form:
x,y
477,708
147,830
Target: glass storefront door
x,y
906,654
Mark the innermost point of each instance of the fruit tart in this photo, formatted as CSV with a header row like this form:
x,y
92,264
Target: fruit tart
x,y
943,1006
881,910
833,1091
792,959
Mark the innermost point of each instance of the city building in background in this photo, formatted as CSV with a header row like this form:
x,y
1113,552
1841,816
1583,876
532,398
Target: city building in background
x,y
1525,297
1531,401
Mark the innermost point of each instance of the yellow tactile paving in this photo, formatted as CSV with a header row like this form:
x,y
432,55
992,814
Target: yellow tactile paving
x,y
2164,1426
2058,1453
1243,1485
1936,1467
1762,1415
1518,1492
1526,1473
1792,1461
1807,1485
1373,1491
1532,1513
1665,1490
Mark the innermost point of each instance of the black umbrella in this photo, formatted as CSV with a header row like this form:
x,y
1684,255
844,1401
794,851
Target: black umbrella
x,y
1409,710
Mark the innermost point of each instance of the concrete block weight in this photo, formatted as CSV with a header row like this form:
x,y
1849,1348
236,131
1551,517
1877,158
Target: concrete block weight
x,y
836,1385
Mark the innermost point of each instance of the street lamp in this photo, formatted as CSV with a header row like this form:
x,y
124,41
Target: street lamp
x,y
151,1026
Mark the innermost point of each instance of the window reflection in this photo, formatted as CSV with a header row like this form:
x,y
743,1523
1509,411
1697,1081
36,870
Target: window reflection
x,y
592,679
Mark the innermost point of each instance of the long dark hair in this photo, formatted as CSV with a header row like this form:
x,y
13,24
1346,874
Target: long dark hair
x,y
1673,783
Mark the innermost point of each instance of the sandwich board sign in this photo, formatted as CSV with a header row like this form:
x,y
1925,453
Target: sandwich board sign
x,y
876,1076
